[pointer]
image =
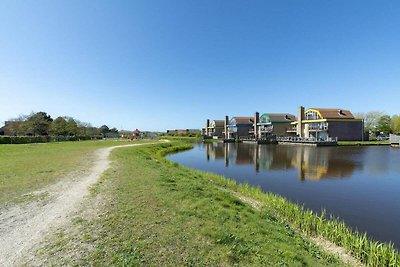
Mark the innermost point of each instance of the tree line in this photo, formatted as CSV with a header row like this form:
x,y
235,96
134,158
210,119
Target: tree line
x,y
377,122
42,124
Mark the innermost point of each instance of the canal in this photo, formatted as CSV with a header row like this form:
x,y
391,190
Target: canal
x,y
361,185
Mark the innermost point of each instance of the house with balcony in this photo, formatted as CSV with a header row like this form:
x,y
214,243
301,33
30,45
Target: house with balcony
x,y
327,124
273,124
239,127
215,128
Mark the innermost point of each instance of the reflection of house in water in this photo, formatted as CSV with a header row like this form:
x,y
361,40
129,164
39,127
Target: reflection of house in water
x,y
215,150
312,163
246,154
274,157
318,163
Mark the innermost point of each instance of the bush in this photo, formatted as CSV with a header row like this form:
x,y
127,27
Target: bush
x,y
23,139
43,139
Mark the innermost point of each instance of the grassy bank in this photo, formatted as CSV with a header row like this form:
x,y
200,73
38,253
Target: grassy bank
x,y
29,167
181,138
150,211
363,143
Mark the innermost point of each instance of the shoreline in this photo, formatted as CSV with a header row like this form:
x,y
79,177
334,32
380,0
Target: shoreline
x,y
334,230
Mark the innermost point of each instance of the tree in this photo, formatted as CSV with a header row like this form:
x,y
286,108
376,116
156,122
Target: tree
x,y
113,130
39,123
92,131
59,126
72,126
384,124
104,129
370,118
396,124
16,126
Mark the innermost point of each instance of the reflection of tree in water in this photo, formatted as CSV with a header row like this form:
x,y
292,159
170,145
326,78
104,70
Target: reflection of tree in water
x,y
312,163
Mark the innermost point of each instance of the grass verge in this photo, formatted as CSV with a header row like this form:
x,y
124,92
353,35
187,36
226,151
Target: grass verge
x,y
159,213
29,167
363,143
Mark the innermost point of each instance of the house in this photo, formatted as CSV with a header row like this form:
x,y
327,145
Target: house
x,y
327,124
273,124
12,128
394,140
215,128
239,127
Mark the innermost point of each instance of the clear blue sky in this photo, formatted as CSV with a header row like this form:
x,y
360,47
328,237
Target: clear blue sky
x,y
158,65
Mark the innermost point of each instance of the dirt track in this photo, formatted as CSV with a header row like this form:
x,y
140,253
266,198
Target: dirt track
x,y
22,228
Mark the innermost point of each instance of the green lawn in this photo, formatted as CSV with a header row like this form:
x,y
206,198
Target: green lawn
x,y
25,168
157,213
363,143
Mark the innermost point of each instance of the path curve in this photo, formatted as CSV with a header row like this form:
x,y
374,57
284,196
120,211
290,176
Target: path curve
x,y
23,228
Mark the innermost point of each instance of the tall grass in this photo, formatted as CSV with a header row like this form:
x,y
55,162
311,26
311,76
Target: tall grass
x,y
368,251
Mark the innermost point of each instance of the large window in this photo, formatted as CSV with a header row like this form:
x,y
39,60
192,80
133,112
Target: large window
x,y
312,115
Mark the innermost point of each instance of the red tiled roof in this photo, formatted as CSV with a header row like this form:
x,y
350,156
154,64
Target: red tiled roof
x,y
243,120
335,113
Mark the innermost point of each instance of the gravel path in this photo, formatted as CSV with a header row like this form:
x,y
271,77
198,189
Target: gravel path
x,y
22,228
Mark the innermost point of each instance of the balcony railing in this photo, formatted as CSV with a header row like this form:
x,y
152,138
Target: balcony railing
x,y
318,128
305,139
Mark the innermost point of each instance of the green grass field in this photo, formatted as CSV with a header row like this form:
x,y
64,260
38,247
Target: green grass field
x,y
158,213
146,210
26,168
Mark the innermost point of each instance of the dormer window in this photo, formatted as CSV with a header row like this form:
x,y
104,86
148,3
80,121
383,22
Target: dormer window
x,y
341,113
287,117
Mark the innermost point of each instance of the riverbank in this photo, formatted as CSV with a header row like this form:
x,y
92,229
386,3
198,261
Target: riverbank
x,y
147,210
363,143
340,143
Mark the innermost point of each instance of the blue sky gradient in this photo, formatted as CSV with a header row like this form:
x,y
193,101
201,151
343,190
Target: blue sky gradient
x,y
158,65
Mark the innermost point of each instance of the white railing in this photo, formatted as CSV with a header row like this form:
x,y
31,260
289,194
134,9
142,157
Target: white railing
x,y
319,128
305,139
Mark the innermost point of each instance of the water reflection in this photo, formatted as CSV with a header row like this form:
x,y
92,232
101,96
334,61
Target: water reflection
x,y
311,163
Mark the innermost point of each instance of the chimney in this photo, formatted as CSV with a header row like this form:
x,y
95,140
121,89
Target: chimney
x,y
256,121
226,127
300,118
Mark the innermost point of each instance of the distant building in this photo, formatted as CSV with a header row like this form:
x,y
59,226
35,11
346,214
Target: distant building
x,y
12,128
394,140
325,123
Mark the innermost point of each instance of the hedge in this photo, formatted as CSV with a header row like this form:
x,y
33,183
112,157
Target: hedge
x,y
42,139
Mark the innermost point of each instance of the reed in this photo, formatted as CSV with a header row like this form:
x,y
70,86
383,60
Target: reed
x,y
365,249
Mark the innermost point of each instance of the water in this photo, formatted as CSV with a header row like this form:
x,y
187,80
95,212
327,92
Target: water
x,y
361,185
